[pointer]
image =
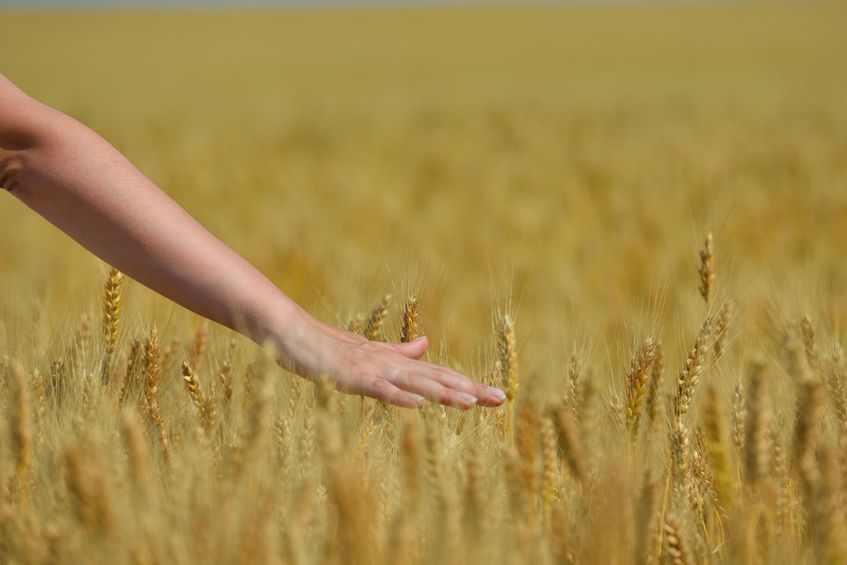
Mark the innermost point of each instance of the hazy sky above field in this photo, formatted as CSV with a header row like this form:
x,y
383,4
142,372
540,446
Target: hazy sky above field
x,y
247,3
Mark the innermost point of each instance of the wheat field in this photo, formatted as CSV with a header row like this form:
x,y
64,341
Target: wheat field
x,y
629,216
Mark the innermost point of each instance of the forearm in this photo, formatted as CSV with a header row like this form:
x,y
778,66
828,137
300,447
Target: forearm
x,y
80,183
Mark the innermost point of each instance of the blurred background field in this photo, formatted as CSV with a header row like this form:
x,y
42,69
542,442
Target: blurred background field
x,y
573,156
562,162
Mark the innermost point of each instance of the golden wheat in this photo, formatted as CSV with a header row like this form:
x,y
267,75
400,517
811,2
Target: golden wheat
x,y
494,171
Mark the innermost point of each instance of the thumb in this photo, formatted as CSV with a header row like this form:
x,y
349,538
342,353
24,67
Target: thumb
x,y
413,350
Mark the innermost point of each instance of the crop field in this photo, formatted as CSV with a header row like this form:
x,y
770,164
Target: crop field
x,y
632,217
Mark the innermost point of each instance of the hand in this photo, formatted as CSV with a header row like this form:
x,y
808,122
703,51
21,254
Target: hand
x,y
390,372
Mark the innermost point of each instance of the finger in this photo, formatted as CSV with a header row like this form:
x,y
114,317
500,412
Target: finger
x,y
488,395
413,349
432,390
386,392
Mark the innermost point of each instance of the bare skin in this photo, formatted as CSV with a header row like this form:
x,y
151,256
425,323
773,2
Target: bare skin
x,y
80,183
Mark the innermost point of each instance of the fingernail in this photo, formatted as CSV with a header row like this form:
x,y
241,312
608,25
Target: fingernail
x,y
497,393
466,398
420,338
418,400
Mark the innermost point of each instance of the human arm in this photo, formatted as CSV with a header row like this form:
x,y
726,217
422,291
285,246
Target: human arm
x,y
75,179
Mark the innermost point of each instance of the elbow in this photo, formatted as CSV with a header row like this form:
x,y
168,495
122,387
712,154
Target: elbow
x,y
11,169
16,151
19,134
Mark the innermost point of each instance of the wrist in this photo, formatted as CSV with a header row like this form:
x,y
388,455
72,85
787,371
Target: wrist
x,y
285,325
265,316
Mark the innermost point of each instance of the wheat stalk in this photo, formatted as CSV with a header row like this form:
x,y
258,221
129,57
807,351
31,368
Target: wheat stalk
x,y
722,322
636,379
707,269
111,317
139,456
570,443
373,327
807,333
205,405
198,351
674,548
507,355
151,395
21,419
409,329
655,384
756,427
690,374
550,465
712,424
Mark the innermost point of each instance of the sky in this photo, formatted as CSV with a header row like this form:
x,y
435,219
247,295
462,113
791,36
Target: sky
x,y
38,4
